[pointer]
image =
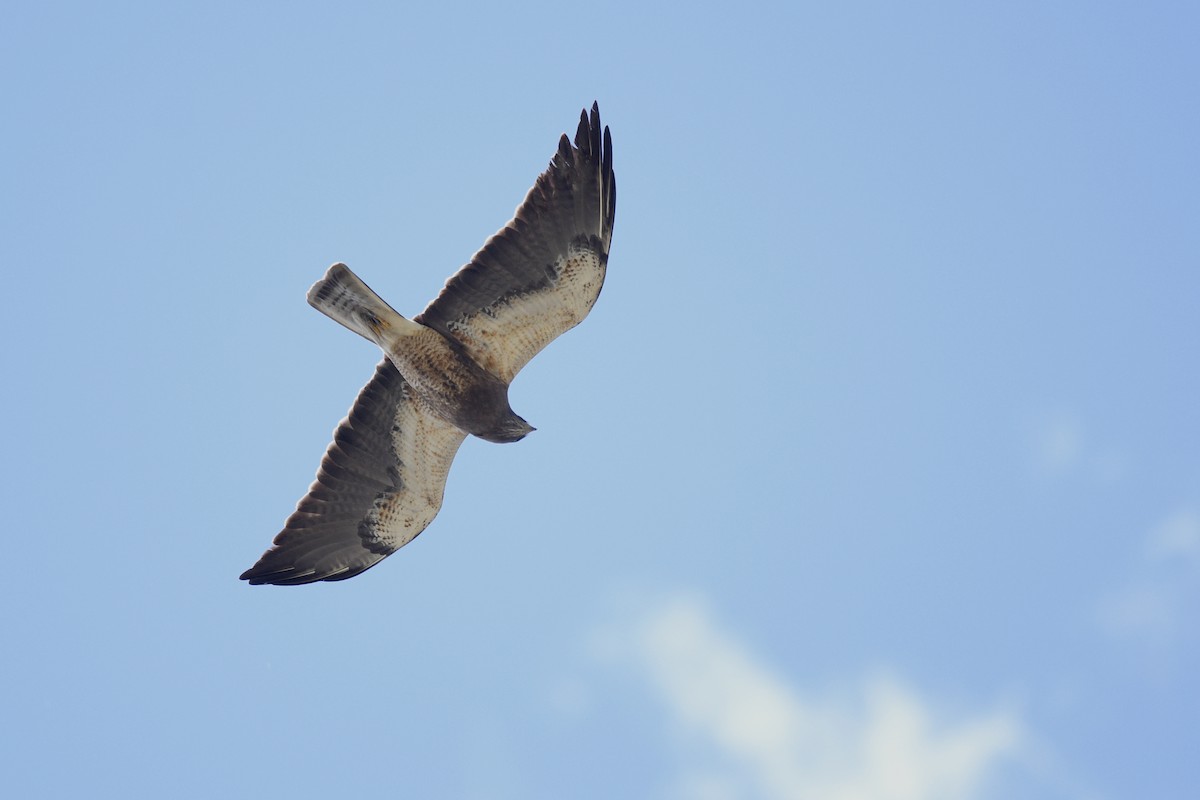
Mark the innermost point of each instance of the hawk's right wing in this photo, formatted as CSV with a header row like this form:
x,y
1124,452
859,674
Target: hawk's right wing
x,y
380,484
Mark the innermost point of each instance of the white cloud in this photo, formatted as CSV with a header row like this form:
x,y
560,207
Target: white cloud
x,y
757,736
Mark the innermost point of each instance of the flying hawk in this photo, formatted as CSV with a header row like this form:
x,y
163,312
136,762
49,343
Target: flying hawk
x,y
446,372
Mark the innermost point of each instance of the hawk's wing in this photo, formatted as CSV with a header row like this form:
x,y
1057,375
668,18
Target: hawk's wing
x,y
539,276
380,484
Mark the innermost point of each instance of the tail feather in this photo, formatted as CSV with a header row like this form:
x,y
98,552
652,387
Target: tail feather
x,y
343,297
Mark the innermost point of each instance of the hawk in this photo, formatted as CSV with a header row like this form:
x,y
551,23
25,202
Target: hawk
x,y
446,372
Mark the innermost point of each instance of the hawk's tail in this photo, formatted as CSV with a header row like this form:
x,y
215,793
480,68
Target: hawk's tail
x,y
343,297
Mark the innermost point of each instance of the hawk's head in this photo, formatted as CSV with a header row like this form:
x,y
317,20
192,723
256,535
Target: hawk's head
x,y
511,428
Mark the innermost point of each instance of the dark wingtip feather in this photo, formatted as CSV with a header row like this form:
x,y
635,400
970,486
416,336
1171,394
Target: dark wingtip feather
x,y
276,569
610,183
262,574
581,132
564,150
587,135
594,143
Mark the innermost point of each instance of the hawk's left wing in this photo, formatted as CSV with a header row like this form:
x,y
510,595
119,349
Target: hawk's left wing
x,y
539,276
380,484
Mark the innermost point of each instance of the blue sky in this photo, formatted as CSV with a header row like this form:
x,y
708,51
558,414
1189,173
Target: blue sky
x,y
872,476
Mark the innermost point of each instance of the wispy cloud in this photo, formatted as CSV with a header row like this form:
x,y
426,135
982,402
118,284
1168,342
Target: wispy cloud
x,y
1141,610
1060,443
1149,606
758,736
1177,537
1063,447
